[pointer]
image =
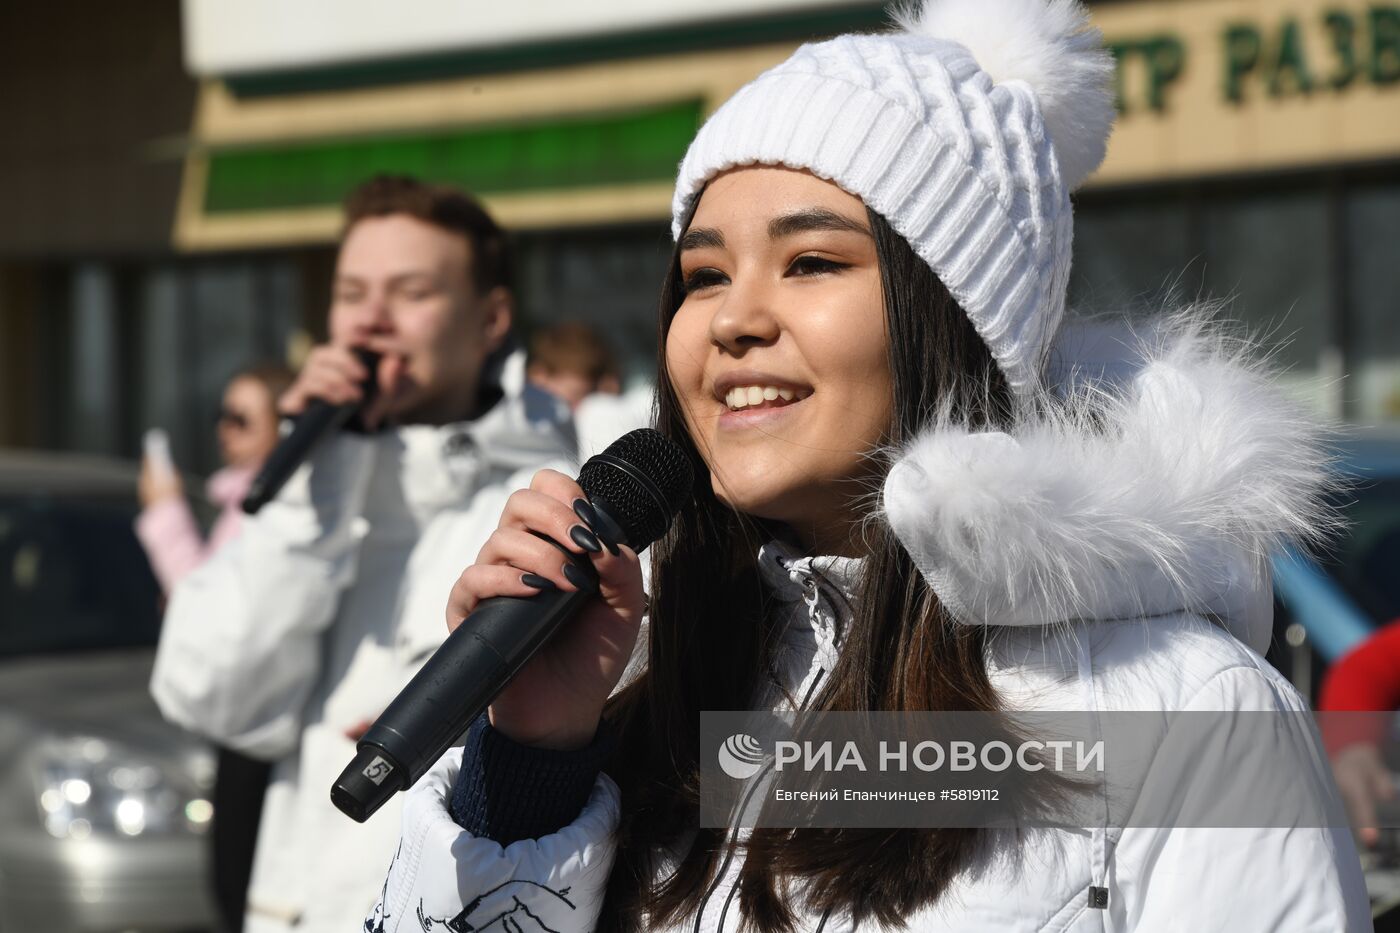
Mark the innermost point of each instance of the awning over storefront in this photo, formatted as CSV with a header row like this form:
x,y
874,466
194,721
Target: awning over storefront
x,y
584,132
549,134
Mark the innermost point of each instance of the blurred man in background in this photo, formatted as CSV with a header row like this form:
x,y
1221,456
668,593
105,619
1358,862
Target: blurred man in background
x,y
571,362
574,364
247,431
291,641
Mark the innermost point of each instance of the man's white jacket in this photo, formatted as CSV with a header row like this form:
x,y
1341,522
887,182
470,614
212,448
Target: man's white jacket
x,y
1116,546
313,619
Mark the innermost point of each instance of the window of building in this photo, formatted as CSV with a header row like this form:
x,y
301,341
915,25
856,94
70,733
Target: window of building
x,y
1373,291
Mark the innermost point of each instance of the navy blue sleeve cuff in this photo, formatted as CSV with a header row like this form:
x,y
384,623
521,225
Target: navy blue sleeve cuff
x,y
506,792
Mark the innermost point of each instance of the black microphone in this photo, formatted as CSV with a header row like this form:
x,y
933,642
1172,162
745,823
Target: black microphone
x,y
319,420
635,488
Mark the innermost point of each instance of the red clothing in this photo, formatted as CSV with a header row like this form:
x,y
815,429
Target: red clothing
x,y
1366,678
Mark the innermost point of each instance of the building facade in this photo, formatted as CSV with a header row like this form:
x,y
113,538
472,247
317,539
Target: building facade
x,y
1256,160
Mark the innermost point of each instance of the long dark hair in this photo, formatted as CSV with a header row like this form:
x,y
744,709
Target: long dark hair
x,y
710,646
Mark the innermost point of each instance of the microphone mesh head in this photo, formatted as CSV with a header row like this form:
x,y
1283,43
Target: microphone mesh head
x,y
642,480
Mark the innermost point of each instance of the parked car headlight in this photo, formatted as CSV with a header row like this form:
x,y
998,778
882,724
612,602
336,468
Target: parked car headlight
x,y
90,785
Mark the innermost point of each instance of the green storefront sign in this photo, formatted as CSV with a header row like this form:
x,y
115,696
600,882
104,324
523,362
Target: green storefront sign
x,y
1362,47
577,152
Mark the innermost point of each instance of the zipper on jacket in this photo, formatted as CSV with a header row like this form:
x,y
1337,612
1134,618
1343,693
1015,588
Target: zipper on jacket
x,y
734,836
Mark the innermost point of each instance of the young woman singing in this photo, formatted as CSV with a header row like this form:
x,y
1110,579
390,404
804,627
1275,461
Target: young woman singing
x,y
894,511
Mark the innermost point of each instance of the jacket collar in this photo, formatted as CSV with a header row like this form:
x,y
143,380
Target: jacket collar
x,y
421,469
790,574
1158,479
525,427
815,594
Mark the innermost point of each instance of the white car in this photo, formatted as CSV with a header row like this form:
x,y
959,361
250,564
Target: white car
x,y
104,807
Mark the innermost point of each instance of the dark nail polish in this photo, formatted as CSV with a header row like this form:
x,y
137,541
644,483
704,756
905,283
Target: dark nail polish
x,y
537,581
577,577
584,510
585,539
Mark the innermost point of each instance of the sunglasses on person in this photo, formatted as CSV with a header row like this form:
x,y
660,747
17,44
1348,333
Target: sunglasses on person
x,y
231,418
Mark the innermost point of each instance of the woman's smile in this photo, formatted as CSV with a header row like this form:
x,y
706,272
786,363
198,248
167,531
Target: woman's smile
x,y
750,398
765,414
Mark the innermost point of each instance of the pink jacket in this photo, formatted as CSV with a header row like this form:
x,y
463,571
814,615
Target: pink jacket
x,y
171,537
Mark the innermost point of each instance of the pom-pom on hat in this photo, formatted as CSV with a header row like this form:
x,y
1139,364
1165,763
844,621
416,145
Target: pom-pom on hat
x,y
966,128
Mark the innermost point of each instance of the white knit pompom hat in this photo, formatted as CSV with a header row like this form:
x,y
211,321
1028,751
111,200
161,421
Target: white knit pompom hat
x,y
966,129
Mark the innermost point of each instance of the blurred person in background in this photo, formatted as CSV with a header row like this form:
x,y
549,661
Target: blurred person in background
x,y
571,361
247,430
1365,679
288,643
574,364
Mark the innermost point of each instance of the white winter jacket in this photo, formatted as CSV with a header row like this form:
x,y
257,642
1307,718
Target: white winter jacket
x,y
311,621
1119,562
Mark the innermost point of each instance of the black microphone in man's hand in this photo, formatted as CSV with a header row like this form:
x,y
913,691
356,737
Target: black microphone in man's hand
x,y
321,418
635,487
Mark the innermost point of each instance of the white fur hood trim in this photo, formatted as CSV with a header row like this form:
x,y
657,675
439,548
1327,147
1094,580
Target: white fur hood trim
x,y
1165,493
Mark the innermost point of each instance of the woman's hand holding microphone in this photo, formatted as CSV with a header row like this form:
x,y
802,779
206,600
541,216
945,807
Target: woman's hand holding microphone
x,y
556,701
